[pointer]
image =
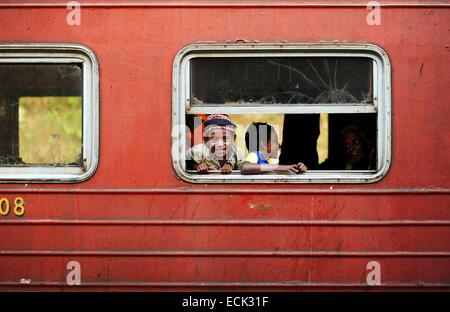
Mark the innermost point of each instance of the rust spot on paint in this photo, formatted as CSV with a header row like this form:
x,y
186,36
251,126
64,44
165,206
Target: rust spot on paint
x,y
260,207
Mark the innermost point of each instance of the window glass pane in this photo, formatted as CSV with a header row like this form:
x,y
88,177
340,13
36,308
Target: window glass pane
x,y
281,80
50,130
40,114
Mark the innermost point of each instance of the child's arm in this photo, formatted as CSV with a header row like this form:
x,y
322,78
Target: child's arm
x,y
197,156
249,168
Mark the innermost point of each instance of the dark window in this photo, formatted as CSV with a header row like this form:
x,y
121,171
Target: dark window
x,y
285,80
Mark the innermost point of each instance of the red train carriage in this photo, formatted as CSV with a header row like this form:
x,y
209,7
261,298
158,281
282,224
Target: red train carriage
x,y
100,103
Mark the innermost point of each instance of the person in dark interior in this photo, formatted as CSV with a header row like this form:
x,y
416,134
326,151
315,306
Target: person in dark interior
x,y
357,149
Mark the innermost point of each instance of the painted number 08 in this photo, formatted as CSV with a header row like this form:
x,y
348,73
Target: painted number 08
x,y
18,208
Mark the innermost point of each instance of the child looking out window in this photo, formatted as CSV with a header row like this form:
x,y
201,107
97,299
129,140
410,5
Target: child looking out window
x,y
219,152
262,143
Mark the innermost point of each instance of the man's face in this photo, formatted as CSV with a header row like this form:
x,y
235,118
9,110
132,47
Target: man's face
x,y
219,142
353,146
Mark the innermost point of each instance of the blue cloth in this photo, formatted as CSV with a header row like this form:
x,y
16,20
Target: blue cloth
x,y
261,160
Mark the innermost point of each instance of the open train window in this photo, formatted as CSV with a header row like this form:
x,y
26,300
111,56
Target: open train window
x,y
324,99
48,113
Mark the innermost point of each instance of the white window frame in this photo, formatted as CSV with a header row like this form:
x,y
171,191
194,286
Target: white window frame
x,y
381,106
59,53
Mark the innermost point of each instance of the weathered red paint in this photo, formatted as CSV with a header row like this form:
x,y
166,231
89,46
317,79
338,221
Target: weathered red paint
x,y
135,225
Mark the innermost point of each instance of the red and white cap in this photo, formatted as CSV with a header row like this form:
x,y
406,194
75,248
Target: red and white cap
x,y
218,121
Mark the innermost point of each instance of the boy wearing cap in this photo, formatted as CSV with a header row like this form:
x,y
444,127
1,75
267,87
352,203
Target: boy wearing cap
x,y
219,151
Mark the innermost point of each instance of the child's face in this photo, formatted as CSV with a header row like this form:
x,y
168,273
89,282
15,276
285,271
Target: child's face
x,y
219,142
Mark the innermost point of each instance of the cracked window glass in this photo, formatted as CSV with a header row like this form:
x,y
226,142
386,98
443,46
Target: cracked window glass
x,y
283,80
